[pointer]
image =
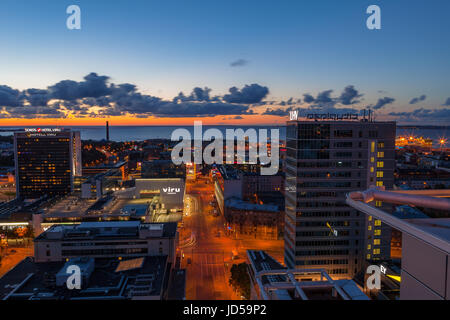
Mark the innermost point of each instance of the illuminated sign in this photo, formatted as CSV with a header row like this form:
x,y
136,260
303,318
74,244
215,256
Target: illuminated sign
x,y
170,190
293,116
332,116
42,130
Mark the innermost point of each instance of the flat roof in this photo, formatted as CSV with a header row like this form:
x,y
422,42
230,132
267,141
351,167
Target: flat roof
x,y
96,230
29,280
439,227
245,205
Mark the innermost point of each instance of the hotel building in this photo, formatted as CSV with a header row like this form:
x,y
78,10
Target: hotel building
x,y
46,161
325,160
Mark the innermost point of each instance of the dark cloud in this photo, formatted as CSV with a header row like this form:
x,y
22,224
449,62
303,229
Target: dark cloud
x,y
77,98
290,102
37,97
30,112
307,98
198,94
253,93
93,86
423,114
324,97
418,99
349,96
279,112
239,63
381,103
9,97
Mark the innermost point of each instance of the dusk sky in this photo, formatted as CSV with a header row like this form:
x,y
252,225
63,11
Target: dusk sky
x,y
252,56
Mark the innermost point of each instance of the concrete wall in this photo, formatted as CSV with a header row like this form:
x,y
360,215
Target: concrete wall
x,y
425,271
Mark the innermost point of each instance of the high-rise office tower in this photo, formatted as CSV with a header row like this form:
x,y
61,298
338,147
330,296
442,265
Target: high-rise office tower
x,y
326,158
46,161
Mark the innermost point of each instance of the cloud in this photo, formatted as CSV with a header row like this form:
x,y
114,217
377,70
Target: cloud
x,y
253,93
349,96
423,114
381,103
239,63
307,98
418,99
37,97
93,86
279,112
198,94
9,97
109,99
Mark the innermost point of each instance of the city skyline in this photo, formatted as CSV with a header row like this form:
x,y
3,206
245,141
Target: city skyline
x,y
234,64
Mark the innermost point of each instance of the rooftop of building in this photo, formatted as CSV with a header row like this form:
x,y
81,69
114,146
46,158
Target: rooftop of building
x,y
408,212
239,204
439,227
177,285
284,283
228,172
108,230
110,279
260,261
341,121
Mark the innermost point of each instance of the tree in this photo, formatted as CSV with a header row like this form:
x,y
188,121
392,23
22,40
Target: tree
x,y
240,280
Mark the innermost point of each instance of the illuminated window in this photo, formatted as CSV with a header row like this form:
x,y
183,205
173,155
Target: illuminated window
x,y
380,174
376,241
372,159
372,169
380,154
369,247
378,203
379,183
377,232
368,256
370,218
369,228
376,251
380,144
380,164
378,222
372,147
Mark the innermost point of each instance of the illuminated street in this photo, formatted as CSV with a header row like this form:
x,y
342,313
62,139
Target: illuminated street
x,y
12,256
208,252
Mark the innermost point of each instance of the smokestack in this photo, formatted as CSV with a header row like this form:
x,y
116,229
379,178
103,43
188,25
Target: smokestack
x,y
107,131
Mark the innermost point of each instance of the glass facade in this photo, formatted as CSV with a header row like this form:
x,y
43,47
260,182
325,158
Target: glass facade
x,y
44,164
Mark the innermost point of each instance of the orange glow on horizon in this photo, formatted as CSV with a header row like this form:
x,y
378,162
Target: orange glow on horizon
x,y
151,121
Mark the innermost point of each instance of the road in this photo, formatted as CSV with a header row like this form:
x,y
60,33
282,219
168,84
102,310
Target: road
x,y
12,256
207,251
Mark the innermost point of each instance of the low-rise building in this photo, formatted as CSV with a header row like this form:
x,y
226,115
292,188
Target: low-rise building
x,y
145,278
116,239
